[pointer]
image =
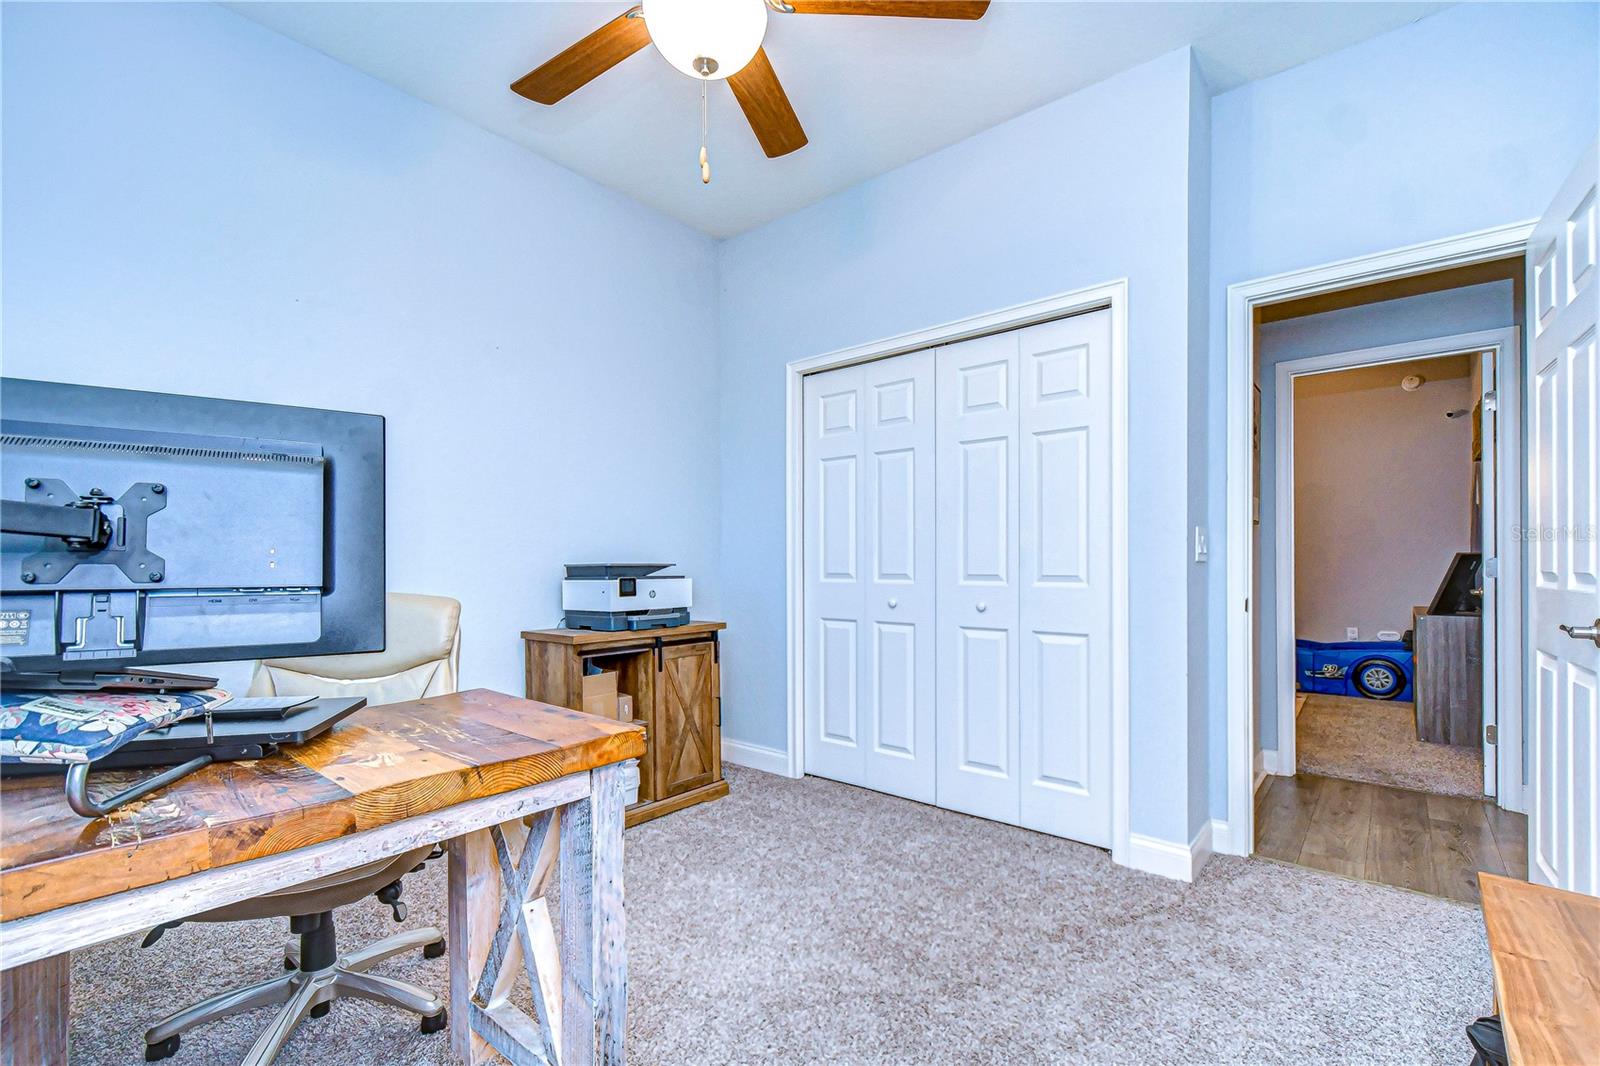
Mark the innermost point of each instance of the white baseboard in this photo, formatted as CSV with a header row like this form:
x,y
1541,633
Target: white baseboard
x,y
1274,762
1222,841
755,756
1167,859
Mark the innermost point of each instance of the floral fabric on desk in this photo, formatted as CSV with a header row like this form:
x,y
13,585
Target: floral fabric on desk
x,y
80,727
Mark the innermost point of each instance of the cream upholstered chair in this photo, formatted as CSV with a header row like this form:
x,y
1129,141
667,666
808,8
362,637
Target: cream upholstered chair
x,y
421,656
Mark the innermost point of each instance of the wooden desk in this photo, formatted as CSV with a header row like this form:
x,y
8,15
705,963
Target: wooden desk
x,y
1545,946
484,771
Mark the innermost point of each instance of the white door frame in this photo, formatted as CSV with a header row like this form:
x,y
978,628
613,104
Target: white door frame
x,y
1243,300
1507,617
1111,295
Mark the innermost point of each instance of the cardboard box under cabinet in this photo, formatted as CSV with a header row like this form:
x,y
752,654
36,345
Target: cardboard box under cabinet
x,y
600,694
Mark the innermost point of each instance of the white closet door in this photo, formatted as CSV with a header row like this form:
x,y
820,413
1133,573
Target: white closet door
x,y
977,582
834,446
869,575
897,656
1065,577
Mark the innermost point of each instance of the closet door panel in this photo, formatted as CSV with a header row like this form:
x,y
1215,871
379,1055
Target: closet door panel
x,y
1064,592
897,652
835,444
977,577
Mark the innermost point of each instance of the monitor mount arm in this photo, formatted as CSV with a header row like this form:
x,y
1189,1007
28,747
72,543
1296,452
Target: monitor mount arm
x,y
93,528
82,525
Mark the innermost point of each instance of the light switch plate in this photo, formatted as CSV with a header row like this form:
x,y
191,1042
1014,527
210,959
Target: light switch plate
x,y
1352,633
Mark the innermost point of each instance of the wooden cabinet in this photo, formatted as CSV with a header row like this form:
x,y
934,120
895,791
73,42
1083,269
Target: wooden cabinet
x,y
674,678
1447,677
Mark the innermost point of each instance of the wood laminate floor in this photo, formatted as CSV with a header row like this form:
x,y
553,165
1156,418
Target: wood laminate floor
x,y
1422,841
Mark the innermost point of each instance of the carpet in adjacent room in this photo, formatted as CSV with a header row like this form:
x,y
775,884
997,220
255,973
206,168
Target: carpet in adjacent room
x,y
1376,741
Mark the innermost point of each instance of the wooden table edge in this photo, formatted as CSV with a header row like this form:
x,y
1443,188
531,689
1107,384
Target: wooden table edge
x,y
617,743
1492,887
79,925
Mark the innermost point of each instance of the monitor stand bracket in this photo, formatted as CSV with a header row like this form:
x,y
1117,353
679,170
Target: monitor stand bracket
x,y
117,539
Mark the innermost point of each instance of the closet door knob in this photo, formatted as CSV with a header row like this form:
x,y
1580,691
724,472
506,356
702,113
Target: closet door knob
x,y
893,603
982,606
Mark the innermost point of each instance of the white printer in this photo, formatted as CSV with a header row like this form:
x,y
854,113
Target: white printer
x,y
622,596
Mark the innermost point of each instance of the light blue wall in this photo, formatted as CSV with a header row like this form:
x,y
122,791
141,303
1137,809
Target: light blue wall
x,y
1468,119
1436,314
1084,190
194,203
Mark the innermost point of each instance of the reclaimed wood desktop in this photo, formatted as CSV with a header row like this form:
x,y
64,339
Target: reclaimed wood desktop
x,y
1545,947
493,775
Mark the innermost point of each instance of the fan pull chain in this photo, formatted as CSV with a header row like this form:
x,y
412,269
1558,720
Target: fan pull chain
x,y
705,164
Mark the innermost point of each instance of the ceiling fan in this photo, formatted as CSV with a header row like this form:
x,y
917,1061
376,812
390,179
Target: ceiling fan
x,y
715,40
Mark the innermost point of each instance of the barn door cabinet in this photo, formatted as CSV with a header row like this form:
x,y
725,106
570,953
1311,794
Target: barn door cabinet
x,y
674,677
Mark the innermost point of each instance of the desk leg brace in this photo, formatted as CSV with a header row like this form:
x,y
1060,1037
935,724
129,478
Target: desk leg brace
x,y
500,927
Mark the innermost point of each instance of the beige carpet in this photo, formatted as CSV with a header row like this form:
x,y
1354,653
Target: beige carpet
x,y
810,922
1376,741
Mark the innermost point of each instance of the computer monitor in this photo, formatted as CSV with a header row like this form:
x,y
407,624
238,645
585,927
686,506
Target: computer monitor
x,y
142,529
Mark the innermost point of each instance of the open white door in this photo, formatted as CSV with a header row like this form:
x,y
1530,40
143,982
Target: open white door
x,y
1488,489
1564,601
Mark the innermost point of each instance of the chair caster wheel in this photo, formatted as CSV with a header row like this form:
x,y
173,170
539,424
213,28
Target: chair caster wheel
x,y
321,1010
433,950
435,1023
165,1049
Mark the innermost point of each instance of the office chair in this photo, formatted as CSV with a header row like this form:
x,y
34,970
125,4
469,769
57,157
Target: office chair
x,y
421,658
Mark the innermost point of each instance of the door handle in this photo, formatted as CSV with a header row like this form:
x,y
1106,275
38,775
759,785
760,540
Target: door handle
x,y
893,603
982,606
1584,632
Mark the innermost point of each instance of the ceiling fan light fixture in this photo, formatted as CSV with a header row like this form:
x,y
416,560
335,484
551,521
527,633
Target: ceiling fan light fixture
x,y
709,40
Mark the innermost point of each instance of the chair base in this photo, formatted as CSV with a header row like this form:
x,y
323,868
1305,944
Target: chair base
x,y
315,983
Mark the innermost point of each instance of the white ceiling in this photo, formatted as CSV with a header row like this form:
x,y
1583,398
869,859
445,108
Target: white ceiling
x,y
872,93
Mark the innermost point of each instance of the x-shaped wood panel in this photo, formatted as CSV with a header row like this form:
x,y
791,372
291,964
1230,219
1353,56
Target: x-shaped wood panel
x,y
501,923
526,930
688,722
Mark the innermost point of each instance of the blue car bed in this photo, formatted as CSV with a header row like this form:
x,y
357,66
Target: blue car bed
x,y
1367,669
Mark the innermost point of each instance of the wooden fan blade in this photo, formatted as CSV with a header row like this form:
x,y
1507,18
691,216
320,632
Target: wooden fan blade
x,y
767,107
906,9
586,60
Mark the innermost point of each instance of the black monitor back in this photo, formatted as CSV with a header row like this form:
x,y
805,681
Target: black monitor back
x,y
238,530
